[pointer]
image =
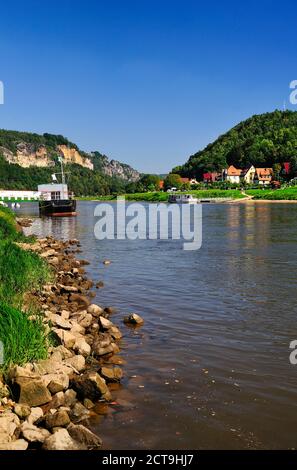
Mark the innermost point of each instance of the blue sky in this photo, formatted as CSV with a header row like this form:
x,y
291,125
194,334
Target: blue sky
x,y
146,82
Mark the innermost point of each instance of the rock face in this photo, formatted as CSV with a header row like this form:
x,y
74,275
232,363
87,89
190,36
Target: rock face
x,y
84,436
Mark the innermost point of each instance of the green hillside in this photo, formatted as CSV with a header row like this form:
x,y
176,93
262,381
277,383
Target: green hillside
x,y
261,140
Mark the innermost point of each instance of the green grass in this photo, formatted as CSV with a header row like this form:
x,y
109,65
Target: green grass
x,y
163,196
288,194
23,340
20,272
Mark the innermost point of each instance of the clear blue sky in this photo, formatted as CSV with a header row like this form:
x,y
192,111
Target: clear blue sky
x,y
147,82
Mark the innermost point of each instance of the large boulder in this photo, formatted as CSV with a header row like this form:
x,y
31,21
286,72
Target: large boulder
x,y
67,339
78,362
91,385
95,310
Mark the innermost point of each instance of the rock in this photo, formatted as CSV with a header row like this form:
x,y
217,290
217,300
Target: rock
x,y
34,434
107,262
61,440
65,314
82,347
47,254
77,329
79,412
84,436
9,422
66,338
69,397
25,371
35,415
58,419
81,300
31,392
58,400
134,319
115,332
77,362
91,385
61,382
109,310
95,310
4,390
111,374
67,288
65,353
23,411
105,324
60,322
99,284
85,320
88,404
19,444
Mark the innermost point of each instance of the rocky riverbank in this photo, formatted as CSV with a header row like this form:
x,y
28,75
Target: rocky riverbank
x,y
46,404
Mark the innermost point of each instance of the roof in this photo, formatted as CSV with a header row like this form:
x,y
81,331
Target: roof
x,y
185,180
232,171
264,173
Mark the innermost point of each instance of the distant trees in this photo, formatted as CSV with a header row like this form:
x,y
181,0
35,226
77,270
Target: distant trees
x,y
150,182
262,140
173,181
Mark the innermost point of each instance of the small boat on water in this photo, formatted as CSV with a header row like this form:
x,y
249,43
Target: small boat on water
x,y
182,199
55,199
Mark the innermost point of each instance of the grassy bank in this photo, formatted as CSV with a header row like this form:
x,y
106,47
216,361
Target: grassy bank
x,y
163,197
286,194
20,271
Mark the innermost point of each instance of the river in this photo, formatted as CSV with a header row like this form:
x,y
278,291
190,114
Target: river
x,y
210,367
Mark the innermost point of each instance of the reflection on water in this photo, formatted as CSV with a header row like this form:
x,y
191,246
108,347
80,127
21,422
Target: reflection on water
x,y
210,367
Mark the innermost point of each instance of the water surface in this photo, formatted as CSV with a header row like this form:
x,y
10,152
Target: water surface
x,y
210,368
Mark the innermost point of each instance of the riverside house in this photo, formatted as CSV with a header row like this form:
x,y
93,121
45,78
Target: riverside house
x,y
263,176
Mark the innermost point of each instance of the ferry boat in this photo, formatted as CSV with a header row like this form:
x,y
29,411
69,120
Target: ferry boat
x,y
55,199
182,199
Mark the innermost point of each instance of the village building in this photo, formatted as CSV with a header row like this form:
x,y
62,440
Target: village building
x,y
263,176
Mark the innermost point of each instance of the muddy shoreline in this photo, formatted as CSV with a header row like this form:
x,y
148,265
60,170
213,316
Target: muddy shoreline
x,y
47,404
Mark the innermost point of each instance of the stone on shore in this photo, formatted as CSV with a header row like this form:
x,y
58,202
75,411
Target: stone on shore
x,y
82,347
91,385
78,362
84,436
111,374
34,434
59,419
59,383
22,410
105,324
19,444
31,392
95,310
133,319
61,440
35,415
67,339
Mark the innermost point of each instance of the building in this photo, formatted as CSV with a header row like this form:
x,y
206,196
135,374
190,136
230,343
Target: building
x,y
263,176
248,175
233,174
211,177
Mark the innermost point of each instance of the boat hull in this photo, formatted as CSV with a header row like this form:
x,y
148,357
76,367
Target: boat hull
x,y
59,208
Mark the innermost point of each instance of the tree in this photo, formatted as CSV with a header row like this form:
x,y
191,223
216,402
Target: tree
x,y
173,181
150,182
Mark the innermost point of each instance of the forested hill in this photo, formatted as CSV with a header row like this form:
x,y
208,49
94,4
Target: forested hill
x,y
262,140
28,159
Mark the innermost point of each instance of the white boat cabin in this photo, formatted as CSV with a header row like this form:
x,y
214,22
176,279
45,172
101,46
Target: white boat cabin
x,y
53,192
182,199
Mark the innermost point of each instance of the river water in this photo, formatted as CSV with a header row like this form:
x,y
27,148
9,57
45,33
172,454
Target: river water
x,y
210,367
